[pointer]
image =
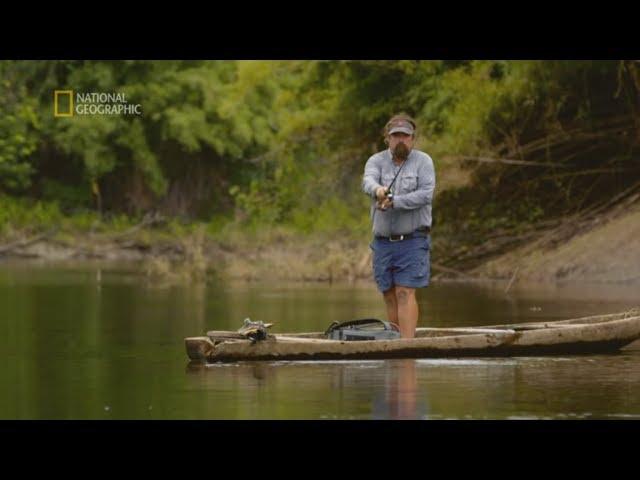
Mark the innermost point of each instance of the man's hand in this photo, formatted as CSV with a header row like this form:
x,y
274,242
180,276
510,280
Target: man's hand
x,y
385,204
381,193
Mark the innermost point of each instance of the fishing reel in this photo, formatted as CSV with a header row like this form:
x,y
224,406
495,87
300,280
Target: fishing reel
x,y
389,196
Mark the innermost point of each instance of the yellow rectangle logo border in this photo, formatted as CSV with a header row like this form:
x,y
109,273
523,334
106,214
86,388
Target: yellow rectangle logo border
x,y
56,93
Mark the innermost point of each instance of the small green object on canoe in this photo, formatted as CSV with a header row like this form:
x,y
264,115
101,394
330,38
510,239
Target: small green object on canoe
x,y
587,335
254,331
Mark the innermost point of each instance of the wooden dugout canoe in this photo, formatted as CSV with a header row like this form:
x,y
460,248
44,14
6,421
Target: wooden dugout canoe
x,y
595,334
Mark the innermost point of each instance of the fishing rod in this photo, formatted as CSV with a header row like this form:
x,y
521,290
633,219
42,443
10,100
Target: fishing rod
x,y
389,191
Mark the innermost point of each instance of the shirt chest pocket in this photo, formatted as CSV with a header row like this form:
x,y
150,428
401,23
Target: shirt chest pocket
x,y
409,183
387,179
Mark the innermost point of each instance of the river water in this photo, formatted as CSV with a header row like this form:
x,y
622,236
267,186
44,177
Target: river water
x,y
102,342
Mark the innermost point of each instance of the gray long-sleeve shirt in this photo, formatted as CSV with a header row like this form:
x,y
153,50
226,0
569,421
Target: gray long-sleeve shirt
x,y
412,192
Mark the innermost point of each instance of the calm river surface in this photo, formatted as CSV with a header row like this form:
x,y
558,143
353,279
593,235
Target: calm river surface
x,y
101,342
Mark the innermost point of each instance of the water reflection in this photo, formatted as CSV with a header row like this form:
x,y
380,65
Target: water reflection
x,y
400,399
99,343
383,389
599,386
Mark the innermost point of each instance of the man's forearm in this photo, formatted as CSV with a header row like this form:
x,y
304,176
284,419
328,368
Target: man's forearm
x,y
369,186
371,178
413,200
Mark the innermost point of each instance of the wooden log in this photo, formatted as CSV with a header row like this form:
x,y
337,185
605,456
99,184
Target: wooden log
x,y
290,348
575,321
225,334
594,334
199,348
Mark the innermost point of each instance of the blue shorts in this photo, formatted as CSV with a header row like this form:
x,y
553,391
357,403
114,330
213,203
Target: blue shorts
x,y
406,263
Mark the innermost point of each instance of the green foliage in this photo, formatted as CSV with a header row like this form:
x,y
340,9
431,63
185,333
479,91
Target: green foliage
x,y
285,142
69,197
19,213
18,127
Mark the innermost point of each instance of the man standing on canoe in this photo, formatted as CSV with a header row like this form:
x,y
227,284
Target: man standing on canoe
x,y
400,182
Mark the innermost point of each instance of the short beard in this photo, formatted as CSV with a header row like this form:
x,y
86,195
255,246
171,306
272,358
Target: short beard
x,y
401,152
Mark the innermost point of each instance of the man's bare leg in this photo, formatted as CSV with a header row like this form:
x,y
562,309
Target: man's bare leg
x,y
391,302
407,311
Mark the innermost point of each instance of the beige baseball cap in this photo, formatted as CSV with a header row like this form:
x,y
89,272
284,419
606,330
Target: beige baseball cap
x,y
401,126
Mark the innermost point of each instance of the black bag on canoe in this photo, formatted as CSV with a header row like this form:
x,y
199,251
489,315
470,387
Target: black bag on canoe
x,y
363,329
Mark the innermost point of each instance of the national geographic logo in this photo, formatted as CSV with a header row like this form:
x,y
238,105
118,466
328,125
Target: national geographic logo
x,y
66,104
59,96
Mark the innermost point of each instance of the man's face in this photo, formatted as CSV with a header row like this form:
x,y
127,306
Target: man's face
x,y
397,138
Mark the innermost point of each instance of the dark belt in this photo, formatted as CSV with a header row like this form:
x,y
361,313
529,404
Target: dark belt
x,y
406,236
